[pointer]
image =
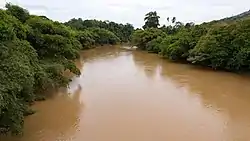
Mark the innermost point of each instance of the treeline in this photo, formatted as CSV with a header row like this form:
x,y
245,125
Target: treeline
x,y
123,32
34,53
219,45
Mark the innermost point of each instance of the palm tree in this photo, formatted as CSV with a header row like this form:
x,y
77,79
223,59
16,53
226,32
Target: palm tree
x,y
151,20
168,19
174,19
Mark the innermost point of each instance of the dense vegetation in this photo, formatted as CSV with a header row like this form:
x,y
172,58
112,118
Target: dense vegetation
x,y
123,32
221,44
34,53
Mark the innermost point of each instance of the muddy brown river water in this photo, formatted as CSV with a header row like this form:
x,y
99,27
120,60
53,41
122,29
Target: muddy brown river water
x,y
125,95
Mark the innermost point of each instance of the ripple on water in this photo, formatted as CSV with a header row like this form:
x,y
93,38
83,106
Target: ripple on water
x,y
126,95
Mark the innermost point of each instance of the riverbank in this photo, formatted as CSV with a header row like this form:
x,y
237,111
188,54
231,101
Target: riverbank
x,y
35,53
218,45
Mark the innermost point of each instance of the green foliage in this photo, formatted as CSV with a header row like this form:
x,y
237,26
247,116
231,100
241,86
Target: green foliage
x,y
224,47
168,48
122,31
103,36
44,26
52,39
173,42
11,27
151,20
86,38
177,46
76,23
35,52
17,70
154,45
219,45
140,38
18,12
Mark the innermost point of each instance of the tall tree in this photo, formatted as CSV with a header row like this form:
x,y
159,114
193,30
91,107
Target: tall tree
x,y
178,25
151,20
18,12
188,25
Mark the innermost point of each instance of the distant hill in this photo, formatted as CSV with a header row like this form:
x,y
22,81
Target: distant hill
x,y
236,17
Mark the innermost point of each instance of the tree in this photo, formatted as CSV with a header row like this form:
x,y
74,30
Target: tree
x,y
174,19
34,53
122,31
18,12
178,25
141,38
151,20
188,25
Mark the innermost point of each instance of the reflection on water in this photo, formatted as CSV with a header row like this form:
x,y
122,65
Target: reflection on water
x,y
125,95
57,118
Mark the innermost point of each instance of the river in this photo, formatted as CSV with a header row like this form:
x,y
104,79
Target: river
x,y
125,95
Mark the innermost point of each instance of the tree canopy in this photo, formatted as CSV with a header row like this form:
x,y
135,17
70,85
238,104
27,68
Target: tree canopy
x,y
122,31
34,53
151,20
217,44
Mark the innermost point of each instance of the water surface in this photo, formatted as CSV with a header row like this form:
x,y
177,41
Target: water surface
x,y
125,95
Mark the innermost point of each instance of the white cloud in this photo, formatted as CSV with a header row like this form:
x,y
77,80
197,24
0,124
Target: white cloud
x,y
2,3
133,11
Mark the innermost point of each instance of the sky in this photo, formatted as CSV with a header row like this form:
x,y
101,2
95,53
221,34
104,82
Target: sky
x,y
133,11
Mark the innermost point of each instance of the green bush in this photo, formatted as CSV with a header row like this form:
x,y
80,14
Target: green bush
x,y
219,45
122,31
141,38
169,49
17,70
176,47
173,43
45,26
103,36
224,47
18,12
154,45
11,27
86,38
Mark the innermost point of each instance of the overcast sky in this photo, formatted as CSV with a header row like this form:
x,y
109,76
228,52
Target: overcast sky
x,y
133,11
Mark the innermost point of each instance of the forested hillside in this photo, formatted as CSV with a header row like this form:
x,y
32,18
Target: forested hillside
x,y
217,44
240,16
34,53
